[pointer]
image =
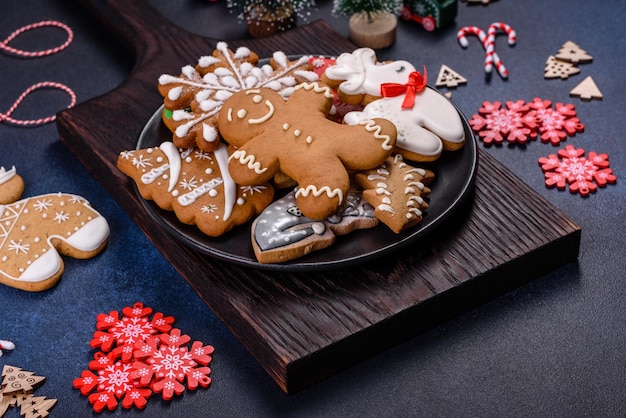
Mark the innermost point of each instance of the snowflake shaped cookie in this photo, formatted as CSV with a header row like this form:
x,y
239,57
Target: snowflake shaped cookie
x,y
583,174
193,99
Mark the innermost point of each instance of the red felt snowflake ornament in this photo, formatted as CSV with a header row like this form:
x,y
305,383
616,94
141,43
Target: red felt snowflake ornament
x,y
519,122
122,333
112,383
141,355
164,362
570,167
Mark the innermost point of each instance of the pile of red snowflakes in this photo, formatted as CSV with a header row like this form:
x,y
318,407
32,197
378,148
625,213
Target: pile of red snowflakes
x,y
519,121
140,355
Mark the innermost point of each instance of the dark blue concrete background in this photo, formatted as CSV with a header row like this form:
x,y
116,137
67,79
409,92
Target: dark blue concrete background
x,y
554,347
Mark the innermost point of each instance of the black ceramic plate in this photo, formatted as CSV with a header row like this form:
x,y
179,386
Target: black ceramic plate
x,y
454,179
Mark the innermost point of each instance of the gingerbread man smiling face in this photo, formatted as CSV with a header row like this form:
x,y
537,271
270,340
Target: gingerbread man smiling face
x,y
294,136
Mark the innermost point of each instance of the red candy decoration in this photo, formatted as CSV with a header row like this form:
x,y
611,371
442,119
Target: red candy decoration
x,y
582,174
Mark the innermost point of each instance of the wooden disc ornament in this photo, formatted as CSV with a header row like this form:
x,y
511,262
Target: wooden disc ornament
x,y
374,29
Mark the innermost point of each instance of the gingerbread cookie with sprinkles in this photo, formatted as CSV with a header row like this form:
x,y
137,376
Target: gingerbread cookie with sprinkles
x,y
195,185
193,99
36,230
295,137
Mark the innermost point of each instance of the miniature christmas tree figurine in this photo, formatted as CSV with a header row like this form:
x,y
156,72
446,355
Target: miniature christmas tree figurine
x,y
372,23
268,17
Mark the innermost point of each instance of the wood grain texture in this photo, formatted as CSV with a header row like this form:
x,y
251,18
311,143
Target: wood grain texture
x,y
302,327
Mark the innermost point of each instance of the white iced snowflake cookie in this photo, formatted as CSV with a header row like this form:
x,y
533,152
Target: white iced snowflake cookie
x,y
35,231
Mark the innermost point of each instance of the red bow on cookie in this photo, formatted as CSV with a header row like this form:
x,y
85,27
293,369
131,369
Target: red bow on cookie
x,y
416,84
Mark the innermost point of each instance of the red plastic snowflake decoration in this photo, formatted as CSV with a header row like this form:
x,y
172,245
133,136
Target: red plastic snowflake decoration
x,y
493,123
112,383
164,362
518,122
141,355
555,124
122,333
571,167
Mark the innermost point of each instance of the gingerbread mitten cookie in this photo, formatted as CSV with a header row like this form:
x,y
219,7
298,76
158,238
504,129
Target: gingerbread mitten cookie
x,y
34,231
11,186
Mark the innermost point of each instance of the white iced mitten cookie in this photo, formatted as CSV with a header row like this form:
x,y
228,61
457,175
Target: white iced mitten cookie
x,y
35,231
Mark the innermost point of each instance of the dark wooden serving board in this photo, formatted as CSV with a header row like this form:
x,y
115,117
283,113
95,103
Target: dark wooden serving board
x,y
302,327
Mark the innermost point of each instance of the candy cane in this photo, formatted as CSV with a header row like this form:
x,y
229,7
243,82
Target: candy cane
x,y
488,42
6,345
35,54
491,58
23,122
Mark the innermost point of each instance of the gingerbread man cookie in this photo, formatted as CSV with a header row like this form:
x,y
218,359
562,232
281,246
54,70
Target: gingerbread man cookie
x,y
294,136
35,230
426,126
193,99
11,186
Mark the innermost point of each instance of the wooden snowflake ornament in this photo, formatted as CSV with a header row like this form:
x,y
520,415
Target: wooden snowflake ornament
x,y
143,355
